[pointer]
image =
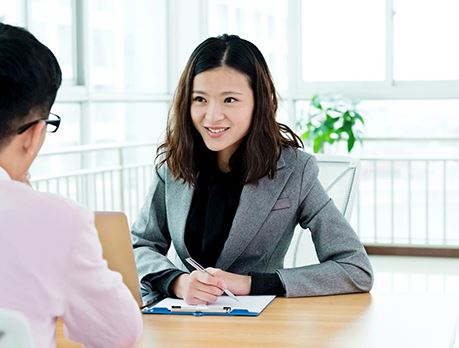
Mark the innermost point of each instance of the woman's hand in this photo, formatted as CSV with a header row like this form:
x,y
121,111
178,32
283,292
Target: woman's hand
x,y
198,287
236,283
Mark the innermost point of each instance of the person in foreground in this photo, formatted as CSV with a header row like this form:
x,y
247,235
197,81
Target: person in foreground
x,y
51,261
230,187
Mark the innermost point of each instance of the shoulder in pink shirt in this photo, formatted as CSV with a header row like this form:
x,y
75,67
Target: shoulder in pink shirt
x,y
51,266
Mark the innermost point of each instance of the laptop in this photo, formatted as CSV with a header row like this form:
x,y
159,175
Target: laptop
x,y
115,238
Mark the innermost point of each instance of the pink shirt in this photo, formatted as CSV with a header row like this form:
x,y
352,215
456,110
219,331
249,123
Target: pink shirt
x,y
51,266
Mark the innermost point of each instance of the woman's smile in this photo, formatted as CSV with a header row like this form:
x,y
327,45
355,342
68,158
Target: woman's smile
x,y
216,132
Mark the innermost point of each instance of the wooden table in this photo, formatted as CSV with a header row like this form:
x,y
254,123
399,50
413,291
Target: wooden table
x,y
345,321
360,320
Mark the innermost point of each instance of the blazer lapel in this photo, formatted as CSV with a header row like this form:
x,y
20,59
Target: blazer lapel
x,y
255,204
178,202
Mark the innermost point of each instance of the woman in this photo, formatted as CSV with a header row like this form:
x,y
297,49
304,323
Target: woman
x,y
230,187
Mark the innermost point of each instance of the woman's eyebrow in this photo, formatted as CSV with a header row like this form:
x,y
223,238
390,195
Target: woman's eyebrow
x,y
199,92
232,92
223,93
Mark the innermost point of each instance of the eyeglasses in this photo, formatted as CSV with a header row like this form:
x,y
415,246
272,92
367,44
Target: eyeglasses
x,y
52,124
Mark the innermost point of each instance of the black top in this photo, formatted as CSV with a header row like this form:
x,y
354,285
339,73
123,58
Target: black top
x,y
213,207
212,210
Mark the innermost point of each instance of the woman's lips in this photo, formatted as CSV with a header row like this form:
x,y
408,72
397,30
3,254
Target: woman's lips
x,y
216,132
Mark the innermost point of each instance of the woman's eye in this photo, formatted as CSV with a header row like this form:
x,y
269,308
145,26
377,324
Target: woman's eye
x,y
230,100
199,99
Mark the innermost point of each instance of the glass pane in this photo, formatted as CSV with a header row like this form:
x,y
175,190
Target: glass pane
x,y
424,36
412,118
128,45
120,123
283,116
263,22
68,134
343,40
54,165
422,119
12,12
133,122
51,21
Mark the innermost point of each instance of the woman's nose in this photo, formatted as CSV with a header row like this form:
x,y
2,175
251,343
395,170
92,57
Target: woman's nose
x,y
214,113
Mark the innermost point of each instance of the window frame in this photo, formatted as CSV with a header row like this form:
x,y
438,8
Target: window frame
x,y
375,90
187,26
80,90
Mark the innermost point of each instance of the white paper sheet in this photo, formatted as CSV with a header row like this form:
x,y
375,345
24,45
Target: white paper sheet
x,y
254,304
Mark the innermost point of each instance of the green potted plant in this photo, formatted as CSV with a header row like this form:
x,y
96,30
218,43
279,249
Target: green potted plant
x,y
331,119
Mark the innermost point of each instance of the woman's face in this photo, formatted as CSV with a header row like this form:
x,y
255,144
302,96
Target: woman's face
x,y
221,109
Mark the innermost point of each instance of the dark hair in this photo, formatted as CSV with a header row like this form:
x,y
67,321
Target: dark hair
x,y
29,78
262,146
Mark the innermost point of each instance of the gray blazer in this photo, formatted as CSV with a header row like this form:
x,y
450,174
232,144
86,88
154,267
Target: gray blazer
x,y
262,230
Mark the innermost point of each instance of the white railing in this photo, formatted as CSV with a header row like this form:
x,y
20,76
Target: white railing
x,y
408,201
401,201
119,186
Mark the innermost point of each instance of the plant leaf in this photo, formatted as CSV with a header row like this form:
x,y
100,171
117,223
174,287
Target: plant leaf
x,y
350,142
332,119
317,145
359,117
315,101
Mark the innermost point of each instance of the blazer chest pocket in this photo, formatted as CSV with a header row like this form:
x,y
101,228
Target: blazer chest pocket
x,y
281,203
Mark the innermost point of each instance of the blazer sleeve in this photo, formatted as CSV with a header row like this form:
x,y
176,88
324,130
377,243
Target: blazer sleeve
x,y
100,310
344,265
151,238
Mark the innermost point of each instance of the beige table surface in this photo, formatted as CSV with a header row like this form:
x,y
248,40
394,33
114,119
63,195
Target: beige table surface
x,y
359,320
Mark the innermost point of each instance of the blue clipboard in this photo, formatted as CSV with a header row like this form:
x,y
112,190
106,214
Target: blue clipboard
x,y
250,306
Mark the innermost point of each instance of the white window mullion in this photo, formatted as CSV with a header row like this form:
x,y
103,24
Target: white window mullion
x,y
83,76
26,13
204,20
173,40
390,13
80,44
183,35
294,56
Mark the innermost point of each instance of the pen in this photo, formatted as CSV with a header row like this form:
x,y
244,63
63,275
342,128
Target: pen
x,y
198,267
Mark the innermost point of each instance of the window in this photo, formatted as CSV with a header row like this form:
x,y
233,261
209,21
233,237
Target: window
x,y
69,132
128,122
378,50
113,56
343,40
56,31
263,22
128,46
424,40
12,12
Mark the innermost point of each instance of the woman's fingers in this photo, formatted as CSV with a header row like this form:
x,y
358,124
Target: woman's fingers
x,y
208,279
202,288
237,283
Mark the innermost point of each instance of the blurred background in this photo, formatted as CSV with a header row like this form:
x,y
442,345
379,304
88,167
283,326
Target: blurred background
x,y
395,60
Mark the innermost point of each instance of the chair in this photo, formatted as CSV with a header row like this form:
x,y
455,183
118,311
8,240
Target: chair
x,y
339,175
15,330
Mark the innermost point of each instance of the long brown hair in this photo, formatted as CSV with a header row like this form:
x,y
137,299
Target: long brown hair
x,y
263,143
